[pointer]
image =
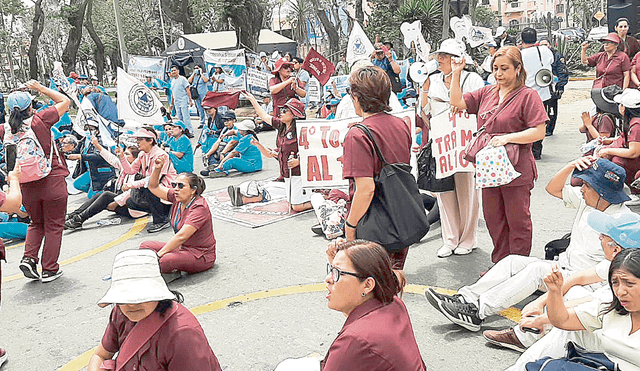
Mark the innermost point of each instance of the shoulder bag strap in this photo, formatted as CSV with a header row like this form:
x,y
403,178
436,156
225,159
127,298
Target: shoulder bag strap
x,y
142,332
504,105
369,135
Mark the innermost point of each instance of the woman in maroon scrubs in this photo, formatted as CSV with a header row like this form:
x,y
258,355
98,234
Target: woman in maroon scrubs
x,y
522,122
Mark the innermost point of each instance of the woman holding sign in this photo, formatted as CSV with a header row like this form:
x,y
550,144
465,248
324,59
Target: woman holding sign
x,y
511,113
459,208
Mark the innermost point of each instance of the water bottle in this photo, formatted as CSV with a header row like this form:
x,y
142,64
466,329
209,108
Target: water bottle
x,y
112,221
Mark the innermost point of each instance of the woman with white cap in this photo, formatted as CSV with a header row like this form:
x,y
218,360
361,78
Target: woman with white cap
x,y
286,153
627,156
148,327
50,190
179,148
612,66
459,208
245,156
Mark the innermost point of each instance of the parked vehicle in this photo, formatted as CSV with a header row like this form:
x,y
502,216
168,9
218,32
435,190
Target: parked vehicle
x,y
570,34
597,33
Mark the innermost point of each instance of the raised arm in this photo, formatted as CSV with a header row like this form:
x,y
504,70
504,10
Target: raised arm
x,y
583,53
457,100
61,102
277,88
256,106
559,315
155,187
556,184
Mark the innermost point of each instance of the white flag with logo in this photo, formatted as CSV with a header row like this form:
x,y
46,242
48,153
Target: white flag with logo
x,y
359,46
136,101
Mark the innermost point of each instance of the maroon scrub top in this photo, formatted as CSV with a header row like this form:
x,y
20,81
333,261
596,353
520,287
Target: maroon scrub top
x,y
392,135
609,71
375,337
3,198
197,215
179,345
603,124
630,165
635,62
524,112
287,144
281,97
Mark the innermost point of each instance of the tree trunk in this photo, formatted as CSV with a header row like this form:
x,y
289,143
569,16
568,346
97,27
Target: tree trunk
x,y
96,40
359,13
445,19
74,14
179,11
36,31
329,27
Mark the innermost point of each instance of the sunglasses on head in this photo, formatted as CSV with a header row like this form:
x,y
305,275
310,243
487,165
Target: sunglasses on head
x,y
179,185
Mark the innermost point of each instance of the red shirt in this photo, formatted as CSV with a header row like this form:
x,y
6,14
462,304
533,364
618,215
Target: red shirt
x,y
360,160
635,62
197,215
609,71
41,124
630,165
375,337
287,144
603,124
179,345
524,112
281,97
3,198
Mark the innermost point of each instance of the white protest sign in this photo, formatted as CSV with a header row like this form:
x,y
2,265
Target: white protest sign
x,y
320,149
314,89
450,133
141,67
341,82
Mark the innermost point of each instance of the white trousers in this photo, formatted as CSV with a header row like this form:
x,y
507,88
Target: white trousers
x,y
459,212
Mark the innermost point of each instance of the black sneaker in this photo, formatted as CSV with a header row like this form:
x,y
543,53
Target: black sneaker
x,y
48,276
235,196
462,314
29,268
74,222
204,172
435,298
317,229
157,227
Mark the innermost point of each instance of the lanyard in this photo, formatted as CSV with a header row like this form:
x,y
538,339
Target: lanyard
x,y
178,217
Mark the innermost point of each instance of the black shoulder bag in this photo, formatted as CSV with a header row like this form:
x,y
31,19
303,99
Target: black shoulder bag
x,y
194,90
396,217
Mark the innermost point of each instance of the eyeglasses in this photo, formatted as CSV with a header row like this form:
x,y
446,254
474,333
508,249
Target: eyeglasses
x,y
336,273
179,185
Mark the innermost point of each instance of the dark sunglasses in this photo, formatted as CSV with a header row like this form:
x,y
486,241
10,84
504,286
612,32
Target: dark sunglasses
x,y
287,67
179,185
284,110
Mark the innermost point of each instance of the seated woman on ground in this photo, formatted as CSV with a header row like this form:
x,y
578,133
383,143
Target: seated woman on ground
x,y
113,199
377,334
179,148
193,247
286,154
223,145
170,338
245,157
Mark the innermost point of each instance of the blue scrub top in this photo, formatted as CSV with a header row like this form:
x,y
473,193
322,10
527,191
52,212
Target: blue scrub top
x,y
249,151
181,144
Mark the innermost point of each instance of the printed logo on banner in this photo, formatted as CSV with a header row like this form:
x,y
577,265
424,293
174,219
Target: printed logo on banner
x,y
359,47
181,43
141,102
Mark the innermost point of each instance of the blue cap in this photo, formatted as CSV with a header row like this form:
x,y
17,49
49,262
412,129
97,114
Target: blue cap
x,y
20,100
623,228
83,77
334,102
607,179
229,115
178,123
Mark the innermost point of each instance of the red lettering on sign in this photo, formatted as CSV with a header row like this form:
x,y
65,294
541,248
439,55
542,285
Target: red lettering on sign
x,y
465,137
325,168
439,143
447,143
313,169
443,164
334,139
463,161
303,141
454,141
452,118
323,139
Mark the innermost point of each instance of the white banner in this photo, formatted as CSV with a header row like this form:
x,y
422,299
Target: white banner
x,y
359,46
320,149
233,63
341,82
141,67
450,134
258,82
136,101
314,90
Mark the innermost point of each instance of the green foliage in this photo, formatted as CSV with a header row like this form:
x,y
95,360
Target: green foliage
x,y
484,17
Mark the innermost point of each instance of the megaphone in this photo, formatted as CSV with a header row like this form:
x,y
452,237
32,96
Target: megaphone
x,y
419,72
544,78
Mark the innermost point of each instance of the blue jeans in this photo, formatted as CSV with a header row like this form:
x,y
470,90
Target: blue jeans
x,y
198,103
182,111
242,165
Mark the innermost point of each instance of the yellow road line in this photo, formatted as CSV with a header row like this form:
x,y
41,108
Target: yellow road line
x,y
82,360
137,227
21,244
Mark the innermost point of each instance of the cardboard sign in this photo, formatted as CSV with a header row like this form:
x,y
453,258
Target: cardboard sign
x,y
320,149
450,133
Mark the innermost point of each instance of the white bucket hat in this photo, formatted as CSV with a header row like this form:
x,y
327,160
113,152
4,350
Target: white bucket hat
x,y
630,98
245,125
452,47
136,279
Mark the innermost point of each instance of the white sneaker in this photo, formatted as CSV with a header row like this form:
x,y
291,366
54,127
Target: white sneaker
x,y
463,250
444,251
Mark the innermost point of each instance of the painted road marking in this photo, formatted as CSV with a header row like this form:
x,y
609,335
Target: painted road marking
x,y
137,227
83,360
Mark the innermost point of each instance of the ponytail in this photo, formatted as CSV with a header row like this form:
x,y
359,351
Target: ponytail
x,y
16,118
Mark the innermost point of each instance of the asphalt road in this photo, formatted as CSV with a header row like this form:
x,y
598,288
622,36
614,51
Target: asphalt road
x,y
51,326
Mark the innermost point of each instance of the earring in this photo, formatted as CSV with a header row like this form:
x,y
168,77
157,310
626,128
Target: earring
x,y
363,294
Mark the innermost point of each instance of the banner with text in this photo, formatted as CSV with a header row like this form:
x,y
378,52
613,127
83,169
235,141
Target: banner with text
x,y
320,149
337,82
258,82
233,64
450,134
314,89
141,67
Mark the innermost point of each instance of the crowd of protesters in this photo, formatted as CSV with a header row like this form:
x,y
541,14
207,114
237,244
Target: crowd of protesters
x,y
153,173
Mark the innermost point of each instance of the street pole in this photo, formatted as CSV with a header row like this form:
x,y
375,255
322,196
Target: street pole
x,y
123,52
164,36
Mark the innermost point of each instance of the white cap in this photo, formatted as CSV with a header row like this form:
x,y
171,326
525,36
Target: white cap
x,y
630,98
451,46
500,30
245,125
